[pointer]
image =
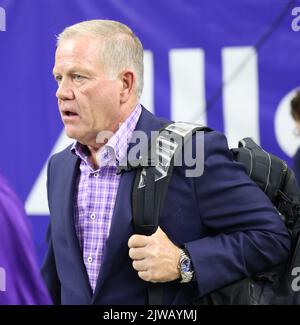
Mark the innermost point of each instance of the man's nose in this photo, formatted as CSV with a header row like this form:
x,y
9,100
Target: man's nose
x,y
64,90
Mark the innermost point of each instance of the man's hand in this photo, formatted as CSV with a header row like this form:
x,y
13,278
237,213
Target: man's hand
x,y
154,257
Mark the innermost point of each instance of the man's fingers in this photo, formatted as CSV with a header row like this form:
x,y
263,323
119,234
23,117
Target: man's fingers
x,y
137,253
139,265
138,241
146,276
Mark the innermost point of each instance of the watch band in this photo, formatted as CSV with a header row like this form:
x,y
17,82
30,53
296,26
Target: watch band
x,y
185,267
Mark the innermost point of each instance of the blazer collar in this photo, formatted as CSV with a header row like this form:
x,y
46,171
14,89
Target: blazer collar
x,y
69,175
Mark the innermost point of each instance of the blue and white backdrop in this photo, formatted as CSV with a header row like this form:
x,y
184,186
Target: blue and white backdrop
x,y
233,65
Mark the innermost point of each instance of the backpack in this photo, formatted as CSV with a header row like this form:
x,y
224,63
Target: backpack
x,y
279,285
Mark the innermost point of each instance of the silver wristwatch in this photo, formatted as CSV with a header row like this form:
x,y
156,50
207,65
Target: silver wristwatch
x,y
185,267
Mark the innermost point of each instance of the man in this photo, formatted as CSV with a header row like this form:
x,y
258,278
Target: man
x,y
20,280
295,111
220,223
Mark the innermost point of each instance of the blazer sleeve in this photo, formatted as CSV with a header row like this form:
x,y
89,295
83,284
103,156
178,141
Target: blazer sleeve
x,y
246,233
48,270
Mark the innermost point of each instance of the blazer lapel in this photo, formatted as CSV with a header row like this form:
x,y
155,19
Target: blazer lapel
x,y
69,176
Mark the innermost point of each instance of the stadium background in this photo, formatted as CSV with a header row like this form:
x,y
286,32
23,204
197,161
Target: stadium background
x,y
232,65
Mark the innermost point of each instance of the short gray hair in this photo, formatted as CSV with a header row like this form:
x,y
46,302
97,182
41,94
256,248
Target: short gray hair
x,y
120,47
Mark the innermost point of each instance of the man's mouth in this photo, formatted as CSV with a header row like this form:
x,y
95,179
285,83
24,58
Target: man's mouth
x,y
69,113
69,116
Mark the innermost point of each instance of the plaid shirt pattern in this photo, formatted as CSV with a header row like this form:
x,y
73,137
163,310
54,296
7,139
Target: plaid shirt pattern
x,y
96,192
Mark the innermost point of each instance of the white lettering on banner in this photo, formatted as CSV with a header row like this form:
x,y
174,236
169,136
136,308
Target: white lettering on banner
x,y
240,94
296,21
284,125
2,20
2,280
36,203
187,78
147,98
187,85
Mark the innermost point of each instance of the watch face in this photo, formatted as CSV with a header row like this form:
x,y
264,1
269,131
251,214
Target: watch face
x,y
186,265
186,270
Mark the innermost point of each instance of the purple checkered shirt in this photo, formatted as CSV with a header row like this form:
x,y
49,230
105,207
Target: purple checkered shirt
x,y
96,192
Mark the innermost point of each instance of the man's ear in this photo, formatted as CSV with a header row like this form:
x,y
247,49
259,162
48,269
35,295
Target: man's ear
x,y
128,81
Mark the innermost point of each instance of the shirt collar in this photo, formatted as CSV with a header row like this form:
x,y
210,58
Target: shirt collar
x,y
116,148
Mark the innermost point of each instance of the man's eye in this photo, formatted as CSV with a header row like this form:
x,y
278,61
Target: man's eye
x,y
57,78
78,77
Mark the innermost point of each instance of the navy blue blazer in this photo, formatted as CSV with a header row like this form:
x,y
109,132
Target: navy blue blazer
x,y
226,222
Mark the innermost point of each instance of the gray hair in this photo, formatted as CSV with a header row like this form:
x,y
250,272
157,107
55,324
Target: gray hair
x,y
120,47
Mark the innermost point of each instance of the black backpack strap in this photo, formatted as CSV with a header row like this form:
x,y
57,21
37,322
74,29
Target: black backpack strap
x,y
155,294
152,181
154,174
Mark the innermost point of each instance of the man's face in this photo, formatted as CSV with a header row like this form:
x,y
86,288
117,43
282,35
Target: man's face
x,y
89,102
